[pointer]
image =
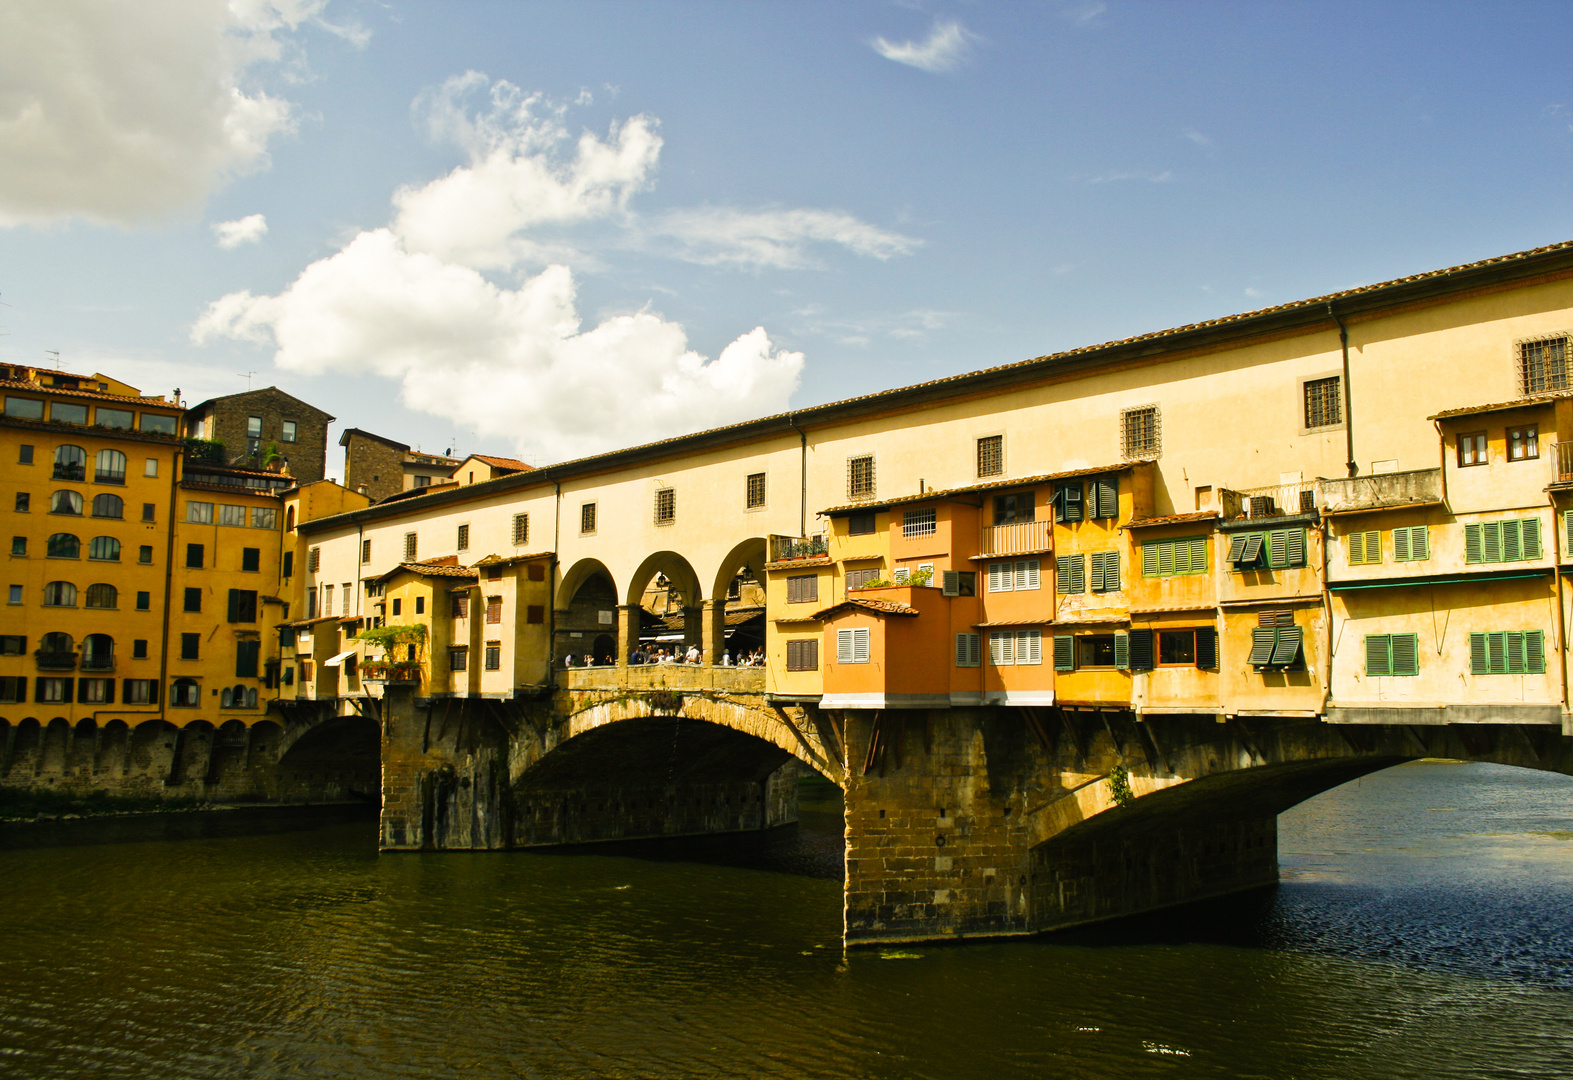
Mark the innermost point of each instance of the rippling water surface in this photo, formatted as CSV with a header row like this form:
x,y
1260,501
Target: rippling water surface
x,y
1424,929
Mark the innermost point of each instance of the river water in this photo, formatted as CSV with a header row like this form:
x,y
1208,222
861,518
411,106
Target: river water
x,y
1424,928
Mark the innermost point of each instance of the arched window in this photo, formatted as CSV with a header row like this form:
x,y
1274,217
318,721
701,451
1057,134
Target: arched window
x,y
70,463
98,652
104,549
63,546
226,698
289,520
65,502
185,692
109,467
56,643
107,505
60,594
102,595
251,697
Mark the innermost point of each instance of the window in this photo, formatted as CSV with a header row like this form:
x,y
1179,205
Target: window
x,y
1010,576
803,589
1523,443
251,559
18,545
1542,365
1067,502
190,647
63,546
242,605
1364,547
1324,402
1017,506
67,413
26,408
1509,652
420,481
1011,647
852,646
1070,575
288,569
12,645
313,560
1279,549
139,649
959,583
969,650
1276,642
194,556
1103,497
116,419
860,525
411,548
102,596
754,497
1095,650
1509,540
493,656
13,688
1176,648
109,467
1472,449
150,467
1105,571
521,529
420,602
22,500
991,455
66,502
96,691
398,605
104,549
264,517
246,653
365,551
494,609
1174,558
24,455
98,653
192,600
14,594
60,594
145,554
199,513
461,607
147,511
54,690
253,433
665,506
459,658
856,579
587,518
233,516
1392,654
108,506
802,654
185,692
140,692
463,543
917,523
535,614
70,463
144,601
1141,434
287,434
860,477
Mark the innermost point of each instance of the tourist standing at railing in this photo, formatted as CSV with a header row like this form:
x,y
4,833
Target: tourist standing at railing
x,y
693,654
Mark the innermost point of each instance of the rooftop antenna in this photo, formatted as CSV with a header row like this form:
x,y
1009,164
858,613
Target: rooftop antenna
x,y
55,355
247,376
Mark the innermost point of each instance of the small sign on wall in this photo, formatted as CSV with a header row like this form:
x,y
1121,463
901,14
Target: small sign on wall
x,y
604,617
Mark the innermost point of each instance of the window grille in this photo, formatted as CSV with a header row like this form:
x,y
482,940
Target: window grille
x,y
587,518
464,538
365,551
915,523
991,455
860,477
411,547
1543,364
756,490
1324,402
803,655
521,529
313,560
665,506
1141,434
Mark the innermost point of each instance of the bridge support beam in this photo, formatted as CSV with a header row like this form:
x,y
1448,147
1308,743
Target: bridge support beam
x,y
444,774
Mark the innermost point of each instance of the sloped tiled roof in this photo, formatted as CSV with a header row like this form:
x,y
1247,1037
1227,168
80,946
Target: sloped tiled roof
x,y
93,395
879,607
501,462
1171,519
1502,406
432,570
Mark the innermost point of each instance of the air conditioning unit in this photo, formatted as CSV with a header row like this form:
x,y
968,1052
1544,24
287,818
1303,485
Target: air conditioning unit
x,y
1263,505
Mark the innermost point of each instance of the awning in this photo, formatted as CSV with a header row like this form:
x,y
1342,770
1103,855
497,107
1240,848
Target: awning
x,y
339,659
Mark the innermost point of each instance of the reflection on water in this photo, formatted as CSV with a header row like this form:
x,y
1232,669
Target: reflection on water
x,y
1424,929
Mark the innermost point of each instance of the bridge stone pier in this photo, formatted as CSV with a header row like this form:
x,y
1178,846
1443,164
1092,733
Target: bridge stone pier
x,y
959,822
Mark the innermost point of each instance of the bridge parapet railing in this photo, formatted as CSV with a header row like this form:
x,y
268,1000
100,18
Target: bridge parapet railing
x,y
678,677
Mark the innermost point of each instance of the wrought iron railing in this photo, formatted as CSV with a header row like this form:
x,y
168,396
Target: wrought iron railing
x,y
55,660
1564,451
1018,538
797,547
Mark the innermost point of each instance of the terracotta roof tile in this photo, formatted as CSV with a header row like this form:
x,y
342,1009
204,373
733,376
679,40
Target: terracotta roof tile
x,y
34,388
502,462
1171,519
992,485
1503,406
881,607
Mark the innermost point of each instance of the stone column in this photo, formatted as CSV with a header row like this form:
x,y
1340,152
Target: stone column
x,y
629,621
713,622
693,626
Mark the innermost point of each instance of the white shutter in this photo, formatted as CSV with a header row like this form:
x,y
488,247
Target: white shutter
x,y
902,575
999,577
950,583
1029,646
1027,573
1002,648
860,646
843,646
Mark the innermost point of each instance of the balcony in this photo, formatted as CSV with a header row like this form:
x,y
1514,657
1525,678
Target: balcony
x,y
1564,456
1382,491
96,663
783,548
1278,500
1018,538
53,660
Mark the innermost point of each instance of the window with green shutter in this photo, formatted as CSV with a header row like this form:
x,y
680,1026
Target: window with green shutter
x,y
1392,654
1103,498
1364,547
1507,652
1285,548
1139,653
1105,571
1508,540
1276,641
1064,652
1070,574
1174,558
1411,544
1067,502
1122,650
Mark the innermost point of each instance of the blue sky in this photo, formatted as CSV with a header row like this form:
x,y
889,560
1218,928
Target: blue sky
x,y
549,229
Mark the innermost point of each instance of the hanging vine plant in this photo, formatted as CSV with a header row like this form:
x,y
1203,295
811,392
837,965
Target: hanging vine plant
x,y
1120,786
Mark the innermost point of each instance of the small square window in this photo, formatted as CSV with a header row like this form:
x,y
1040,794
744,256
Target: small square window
x,y
1543,365
194,556
190,647
1141,435
1323,402
665,506
991,455
288,433
193,600
24,455
21,502
860,477
19,545
150,467
1472,449
148,510
587,518
139,649
756,490
144,601
15,596
521,529
251,559
1523,443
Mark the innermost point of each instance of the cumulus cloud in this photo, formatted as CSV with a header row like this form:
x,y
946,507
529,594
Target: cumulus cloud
x,y
774,238
945,47
120,113
246,230
514,363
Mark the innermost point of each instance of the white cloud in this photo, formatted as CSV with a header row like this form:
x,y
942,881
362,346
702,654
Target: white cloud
x,y
946,46
1084,13
246,230
1197,137
511,363
775,238
1115,177
120,113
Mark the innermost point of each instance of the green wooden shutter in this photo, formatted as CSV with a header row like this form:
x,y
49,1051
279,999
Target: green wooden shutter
x,y
1287,646
1529,529
1567,528
1296,547
1069,496
1078,573
1141,650
1207,648
1263,639
1515,652
1253,550
1064,652
1496,649
1104,496
1097,571
1535,652
1479,662
1150,560
1062,574
1378,654
1199,555
1491,541
1400,545
1474,548
1166,558
1278,549
1237,547
1406,654
1111,571
1122,650
1512,541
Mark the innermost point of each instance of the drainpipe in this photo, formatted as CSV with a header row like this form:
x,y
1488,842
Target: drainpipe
x,y
551,587
169,577
1349,420
1562,641
1327,621
802,474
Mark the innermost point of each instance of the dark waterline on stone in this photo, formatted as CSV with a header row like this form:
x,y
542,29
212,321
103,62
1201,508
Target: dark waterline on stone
x,y
1424,928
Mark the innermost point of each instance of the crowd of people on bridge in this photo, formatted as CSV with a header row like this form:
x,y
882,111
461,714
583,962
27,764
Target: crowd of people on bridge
x,y
659,655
